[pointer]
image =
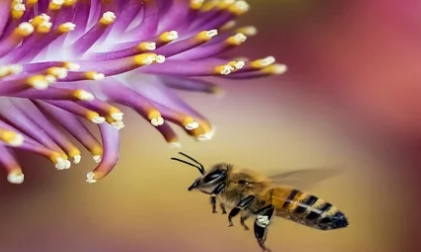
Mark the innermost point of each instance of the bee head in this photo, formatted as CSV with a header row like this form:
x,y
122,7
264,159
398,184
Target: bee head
x,y
208,181
211,179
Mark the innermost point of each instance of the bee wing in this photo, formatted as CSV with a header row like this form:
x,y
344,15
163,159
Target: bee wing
x,y
305,178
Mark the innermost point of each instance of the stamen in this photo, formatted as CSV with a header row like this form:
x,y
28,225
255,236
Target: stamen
x,y
78,76
40,19
179,118
117,92
11,138
203,132
257,64
27,108
15,38
261,63
168,37
74,126
69,3
237,39
54,93
79,110
228,25
58,72
111,113
188,84
169,135
214,49
248,30
118,66
58,159
239,8
36,81
224,4
196,4
16,177
23,123
55,5
189,68
14,172
187,44
10,70
110,138
137,49
17,10
84,43
274,69
66,27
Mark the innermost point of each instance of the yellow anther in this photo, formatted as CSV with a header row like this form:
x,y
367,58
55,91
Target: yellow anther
x,y
37,20
228,25
261,63
209,5
96,150
225,4
94,117
10,70
71,66
145,59
237,39
92,75
69,3
83,95
196,4
17,10
44,27
66,27
224,69
206,35
168,36
107,18
58,72
239,8
24,29
236,65
55,5
153,113
10,137
275,69
247,30
38,81
147,46
74,152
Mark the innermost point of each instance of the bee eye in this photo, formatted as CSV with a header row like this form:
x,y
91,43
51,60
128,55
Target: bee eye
x,y
213,176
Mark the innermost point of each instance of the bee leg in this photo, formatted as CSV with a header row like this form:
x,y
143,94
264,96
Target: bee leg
x,y
215,192
243,218
240,206
222,206
261,224
213,203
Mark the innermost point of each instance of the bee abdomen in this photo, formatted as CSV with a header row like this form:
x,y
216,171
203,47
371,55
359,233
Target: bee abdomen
x,y
311,211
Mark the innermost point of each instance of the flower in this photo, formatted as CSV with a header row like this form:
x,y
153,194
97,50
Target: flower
x,y
63,61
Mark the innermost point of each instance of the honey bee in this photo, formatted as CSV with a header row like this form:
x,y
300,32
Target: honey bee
x,y
250,193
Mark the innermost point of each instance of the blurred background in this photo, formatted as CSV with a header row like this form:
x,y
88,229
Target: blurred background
x,y
350,99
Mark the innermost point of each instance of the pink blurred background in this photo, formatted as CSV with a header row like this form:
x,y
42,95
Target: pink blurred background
x,y
350,99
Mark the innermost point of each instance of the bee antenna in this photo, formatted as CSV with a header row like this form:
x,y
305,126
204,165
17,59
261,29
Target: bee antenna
x,y
201,170
194,160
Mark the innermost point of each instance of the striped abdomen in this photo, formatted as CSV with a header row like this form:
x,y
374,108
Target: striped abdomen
x,y
307,209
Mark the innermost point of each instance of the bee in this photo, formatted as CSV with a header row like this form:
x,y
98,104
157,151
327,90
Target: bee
x,y
251,194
